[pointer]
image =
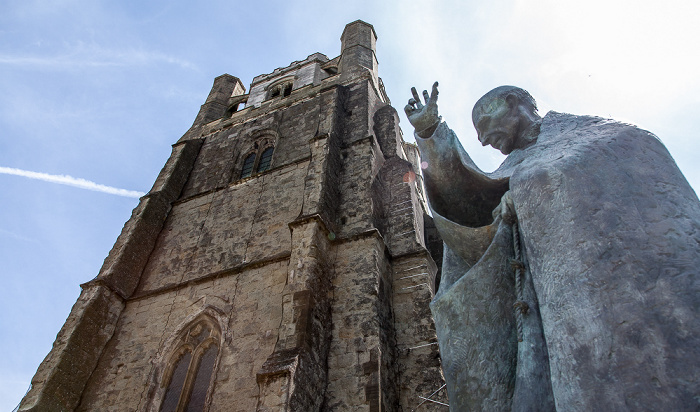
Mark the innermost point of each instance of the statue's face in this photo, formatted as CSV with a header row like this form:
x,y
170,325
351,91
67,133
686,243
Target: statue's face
x,y
496,122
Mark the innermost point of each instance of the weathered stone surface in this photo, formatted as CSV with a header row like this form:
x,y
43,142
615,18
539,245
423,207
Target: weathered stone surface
x,y
417,349
358,45
122,268
216,104
62,376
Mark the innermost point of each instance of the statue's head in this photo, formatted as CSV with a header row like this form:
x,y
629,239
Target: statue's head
x,y
504,117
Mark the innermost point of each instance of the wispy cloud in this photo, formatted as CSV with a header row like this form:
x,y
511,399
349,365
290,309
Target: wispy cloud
x,y
16,236
71,181
90,55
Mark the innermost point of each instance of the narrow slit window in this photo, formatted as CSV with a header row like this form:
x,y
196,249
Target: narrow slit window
x,y
265,159
248,164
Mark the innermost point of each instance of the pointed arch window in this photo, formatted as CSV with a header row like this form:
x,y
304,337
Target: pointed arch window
x,y
265,159
248,165
257,162
281,88
190,372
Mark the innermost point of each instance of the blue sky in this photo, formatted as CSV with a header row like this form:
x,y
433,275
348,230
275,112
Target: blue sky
x,y
99,90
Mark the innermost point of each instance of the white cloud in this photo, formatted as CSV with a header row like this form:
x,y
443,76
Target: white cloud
x,y
71,181
15,236
91,55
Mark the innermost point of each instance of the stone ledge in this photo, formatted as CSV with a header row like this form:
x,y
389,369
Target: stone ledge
x,y
225,272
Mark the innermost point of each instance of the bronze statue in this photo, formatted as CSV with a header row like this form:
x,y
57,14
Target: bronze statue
x,y
570,274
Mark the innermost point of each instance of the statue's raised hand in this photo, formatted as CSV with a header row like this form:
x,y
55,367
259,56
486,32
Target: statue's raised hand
x,y
424,118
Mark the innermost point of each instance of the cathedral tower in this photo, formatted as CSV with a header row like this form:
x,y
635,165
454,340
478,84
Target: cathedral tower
x,y
280,261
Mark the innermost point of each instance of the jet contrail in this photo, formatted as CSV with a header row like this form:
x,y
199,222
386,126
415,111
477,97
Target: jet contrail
x,y
71,181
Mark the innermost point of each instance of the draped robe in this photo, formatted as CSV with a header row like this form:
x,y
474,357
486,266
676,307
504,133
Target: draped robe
x,y
610,235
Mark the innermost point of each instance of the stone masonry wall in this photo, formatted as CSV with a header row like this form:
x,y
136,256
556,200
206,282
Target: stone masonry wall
x,y
419,358
218,231
250,304
220,159
354,362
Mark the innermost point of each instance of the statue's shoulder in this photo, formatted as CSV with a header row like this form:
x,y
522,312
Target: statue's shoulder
x,y
565,139
580,128
561,123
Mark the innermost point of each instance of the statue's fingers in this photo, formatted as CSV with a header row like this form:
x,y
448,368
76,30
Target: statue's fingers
x,y
416,98
426,97
435,92
409,109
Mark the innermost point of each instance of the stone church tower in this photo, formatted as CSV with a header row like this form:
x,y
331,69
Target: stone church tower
x,y
279,263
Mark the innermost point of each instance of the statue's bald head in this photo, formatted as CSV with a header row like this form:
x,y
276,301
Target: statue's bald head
x,y
502,92
506,118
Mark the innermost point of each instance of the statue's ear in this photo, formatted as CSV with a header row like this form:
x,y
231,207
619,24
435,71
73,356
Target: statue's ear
x,y
512,100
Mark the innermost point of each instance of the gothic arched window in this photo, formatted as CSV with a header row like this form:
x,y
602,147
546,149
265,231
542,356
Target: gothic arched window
x,y
280,88
257,162
190,371
248,165
265,160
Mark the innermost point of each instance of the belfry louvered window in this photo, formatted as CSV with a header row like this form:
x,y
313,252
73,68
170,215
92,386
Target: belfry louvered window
x,y
282,88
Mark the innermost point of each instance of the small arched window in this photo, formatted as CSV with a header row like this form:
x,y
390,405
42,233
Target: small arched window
x,y
265,160
281,88
248,165
191,369
257,162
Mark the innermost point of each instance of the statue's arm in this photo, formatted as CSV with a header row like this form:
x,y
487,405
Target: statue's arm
x,y
445,157
457,189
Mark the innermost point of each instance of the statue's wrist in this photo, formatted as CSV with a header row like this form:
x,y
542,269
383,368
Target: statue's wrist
x,y
428,131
